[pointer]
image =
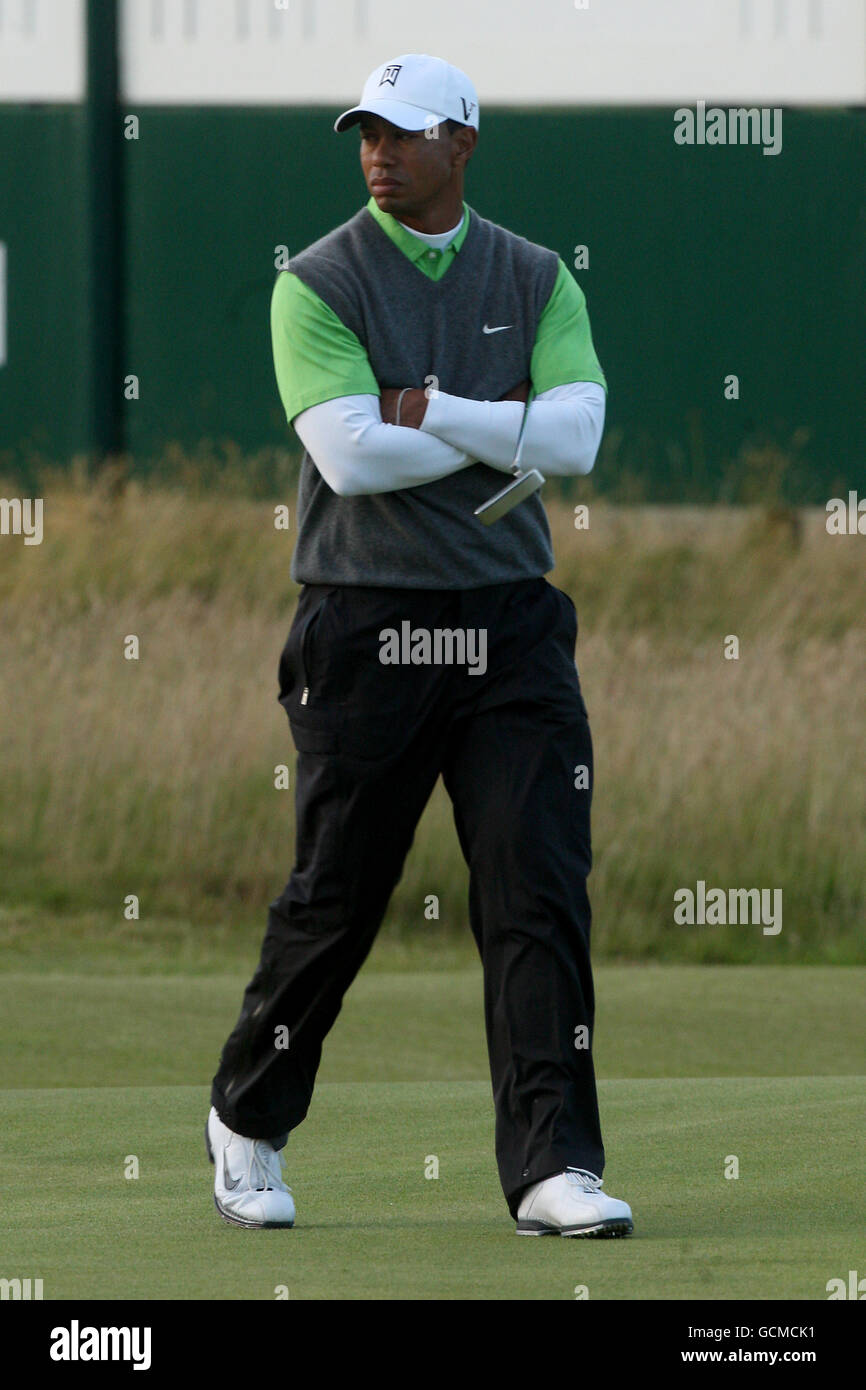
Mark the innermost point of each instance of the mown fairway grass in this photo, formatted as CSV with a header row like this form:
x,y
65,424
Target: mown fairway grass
x,y
155,778
697,1064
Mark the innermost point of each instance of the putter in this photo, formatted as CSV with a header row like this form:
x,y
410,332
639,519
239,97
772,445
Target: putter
x,y
521,486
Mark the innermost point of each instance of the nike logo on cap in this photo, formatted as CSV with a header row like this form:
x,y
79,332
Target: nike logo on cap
x,y
501,329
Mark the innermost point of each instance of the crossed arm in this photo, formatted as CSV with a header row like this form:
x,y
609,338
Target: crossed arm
x,y
359,448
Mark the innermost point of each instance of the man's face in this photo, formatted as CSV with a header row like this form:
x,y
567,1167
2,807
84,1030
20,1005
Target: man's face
x,y
407,170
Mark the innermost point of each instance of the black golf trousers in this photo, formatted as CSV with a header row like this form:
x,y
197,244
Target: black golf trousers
x,y
513,746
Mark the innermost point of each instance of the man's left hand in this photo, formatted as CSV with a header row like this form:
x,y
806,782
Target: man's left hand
x,y
412,407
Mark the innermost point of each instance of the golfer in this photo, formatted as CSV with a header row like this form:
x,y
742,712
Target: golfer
x,y
414,347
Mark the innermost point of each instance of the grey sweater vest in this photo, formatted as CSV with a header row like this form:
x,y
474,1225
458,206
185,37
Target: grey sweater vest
x,y
412,327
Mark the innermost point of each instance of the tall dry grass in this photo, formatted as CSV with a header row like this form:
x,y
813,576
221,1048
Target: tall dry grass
x,y
155,777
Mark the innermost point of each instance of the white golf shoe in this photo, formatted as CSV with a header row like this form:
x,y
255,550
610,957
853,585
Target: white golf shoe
x,y
572,1204
248,1185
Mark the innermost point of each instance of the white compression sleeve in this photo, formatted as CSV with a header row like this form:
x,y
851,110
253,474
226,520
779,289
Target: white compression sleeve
x,y
356,453
562,435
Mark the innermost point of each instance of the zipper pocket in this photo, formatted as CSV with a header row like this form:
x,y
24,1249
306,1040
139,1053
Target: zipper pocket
x,y
305,633
305,692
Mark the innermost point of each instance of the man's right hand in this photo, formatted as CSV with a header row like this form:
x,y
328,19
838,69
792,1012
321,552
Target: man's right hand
x,y
519,392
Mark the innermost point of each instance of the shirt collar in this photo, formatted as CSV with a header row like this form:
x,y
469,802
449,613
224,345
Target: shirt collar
x,y
410,245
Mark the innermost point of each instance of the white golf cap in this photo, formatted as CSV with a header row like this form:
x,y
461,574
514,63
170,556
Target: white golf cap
x,y
415,91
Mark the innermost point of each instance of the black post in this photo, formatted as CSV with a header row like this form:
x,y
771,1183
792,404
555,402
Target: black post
x,y
103,174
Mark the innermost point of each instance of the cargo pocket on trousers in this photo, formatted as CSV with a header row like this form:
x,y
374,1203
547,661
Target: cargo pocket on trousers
x,y
355,704
315,724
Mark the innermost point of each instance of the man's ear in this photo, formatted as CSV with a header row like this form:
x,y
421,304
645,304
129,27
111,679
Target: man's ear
x,y
465,141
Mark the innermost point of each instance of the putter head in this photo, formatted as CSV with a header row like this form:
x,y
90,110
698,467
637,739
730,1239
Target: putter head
x,y
520,487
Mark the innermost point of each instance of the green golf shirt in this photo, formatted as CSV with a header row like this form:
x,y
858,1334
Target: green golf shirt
x,y
317,358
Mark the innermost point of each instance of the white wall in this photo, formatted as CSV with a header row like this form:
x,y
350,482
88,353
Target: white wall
x,y
516,51
41,50
550,52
